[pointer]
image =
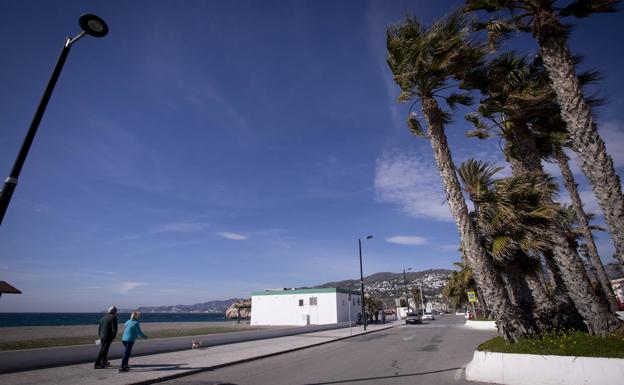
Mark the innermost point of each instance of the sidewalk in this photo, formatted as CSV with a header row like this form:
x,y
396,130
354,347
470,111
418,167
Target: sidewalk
x,y
158,367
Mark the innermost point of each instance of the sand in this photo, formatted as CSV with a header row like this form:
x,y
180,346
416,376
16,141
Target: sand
x,y
23,333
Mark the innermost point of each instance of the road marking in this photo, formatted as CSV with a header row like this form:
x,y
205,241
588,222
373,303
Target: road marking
x,y
409,338
458,373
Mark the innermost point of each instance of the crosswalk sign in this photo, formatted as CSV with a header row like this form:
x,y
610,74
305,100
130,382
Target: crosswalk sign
x,y
472,297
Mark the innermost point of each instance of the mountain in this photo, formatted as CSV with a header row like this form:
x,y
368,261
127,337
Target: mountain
x,y
205,307
388,286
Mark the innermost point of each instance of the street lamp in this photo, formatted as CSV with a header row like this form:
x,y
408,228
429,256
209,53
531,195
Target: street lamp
x,y
90,25
406,296
364,319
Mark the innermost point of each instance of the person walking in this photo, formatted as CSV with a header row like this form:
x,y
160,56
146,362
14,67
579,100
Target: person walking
x,y
131,332
107,332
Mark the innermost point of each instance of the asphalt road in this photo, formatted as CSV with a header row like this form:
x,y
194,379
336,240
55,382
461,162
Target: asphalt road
x,y
433,353
19,360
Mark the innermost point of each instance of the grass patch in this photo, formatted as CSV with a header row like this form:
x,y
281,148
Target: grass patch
x,y
560,343
481,318
90,340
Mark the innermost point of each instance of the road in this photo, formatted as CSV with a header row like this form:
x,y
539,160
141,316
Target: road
x,y
19,360
433,353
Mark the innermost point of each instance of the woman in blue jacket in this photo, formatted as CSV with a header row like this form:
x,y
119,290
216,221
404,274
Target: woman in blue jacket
x,y
131,332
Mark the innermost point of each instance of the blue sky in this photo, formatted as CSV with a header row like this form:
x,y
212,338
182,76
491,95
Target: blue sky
x,y
205,149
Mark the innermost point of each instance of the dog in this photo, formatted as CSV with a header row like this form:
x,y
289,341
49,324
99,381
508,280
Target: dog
x,y
195,345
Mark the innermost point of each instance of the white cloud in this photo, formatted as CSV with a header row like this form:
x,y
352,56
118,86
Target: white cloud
x,y
590,204
232,236
412,182
179,227
125,287
613,135
406,240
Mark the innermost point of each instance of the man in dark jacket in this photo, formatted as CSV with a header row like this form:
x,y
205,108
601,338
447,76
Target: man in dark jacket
x,y
107,333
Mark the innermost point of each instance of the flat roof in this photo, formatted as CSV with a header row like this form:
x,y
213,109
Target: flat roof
x,y
306,291
6,288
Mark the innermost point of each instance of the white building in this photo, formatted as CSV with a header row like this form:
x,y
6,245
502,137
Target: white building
x,y
618,289
304,306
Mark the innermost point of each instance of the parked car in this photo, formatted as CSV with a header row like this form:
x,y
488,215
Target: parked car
x,y
413,318
428,316
469,315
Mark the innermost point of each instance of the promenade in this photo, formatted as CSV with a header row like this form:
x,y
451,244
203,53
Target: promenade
x,y
159,367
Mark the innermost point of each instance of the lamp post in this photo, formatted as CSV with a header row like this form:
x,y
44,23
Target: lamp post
x,y
364,318
405,282
422,303
90,25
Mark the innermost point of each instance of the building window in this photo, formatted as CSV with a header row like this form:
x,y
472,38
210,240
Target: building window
x,y
313,301
300,302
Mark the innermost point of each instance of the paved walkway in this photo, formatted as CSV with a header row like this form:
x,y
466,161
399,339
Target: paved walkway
x,y
158,367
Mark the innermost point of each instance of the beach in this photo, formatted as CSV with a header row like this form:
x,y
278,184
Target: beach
x,y
25,333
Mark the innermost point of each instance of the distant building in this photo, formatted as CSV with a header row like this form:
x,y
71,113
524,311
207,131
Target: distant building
x,y
304,306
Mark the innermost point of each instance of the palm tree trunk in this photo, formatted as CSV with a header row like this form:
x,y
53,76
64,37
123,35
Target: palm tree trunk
x,y
511,323
592,251
595,162
589,305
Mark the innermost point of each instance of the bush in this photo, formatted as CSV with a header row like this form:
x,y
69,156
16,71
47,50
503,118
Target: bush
x,y
560,343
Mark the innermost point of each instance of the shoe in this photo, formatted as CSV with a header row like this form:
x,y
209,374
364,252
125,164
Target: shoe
x,y
98,367
106,364
121,370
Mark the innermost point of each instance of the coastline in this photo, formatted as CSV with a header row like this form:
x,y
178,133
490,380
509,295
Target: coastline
x,y
26,333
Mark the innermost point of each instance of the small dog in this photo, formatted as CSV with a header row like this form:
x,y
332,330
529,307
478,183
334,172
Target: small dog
x,y
195,345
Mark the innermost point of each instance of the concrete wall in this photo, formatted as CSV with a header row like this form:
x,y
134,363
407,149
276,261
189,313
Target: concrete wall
x,y
284,309
342,307
530,369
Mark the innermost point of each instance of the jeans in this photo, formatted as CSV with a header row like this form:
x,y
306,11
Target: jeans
x,y
103,353
127,352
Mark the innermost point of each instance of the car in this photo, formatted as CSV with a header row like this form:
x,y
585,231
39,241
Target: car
x,y
428,316
413,318
469,315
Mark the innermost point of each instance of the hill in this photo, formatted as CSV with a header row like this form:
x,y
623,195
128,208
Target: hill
x,y
388,286
204,307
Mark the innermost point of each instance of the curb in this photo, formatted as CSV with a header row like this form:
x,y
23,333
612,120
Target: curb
x,y
213,367
533,369
482,325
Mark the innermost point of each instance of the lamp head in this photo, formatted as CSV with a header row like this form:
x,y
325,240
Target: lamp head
x,y
93,25
369,237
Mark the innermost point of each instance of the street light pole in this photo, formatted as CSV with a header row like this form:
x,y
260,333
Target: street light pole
x,y
364,318
91,25
422,303
406,296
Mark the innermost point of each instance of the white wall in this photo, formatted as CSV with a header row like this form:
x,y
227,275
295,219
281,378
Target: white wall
x,y
342,307
284,309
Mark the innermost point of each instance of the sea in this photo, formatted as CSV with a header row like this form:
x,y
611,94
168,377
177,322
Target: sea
x,y
66,319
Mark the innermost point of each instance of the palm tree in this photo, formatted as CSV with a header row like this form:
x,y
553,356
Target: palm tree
x,y
457,285
549,130
513,100
422,62
513,223
584,226
543,19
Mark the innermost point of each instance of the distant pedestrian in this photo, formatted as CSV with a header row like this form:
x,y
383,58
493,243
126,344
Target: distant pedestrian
x,y
107,332
383,317
359,318
131,332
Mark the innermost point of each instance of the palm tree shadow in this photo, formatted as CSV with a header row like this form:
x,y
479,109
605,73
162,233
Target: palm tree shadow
x,y
160,367
384,377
